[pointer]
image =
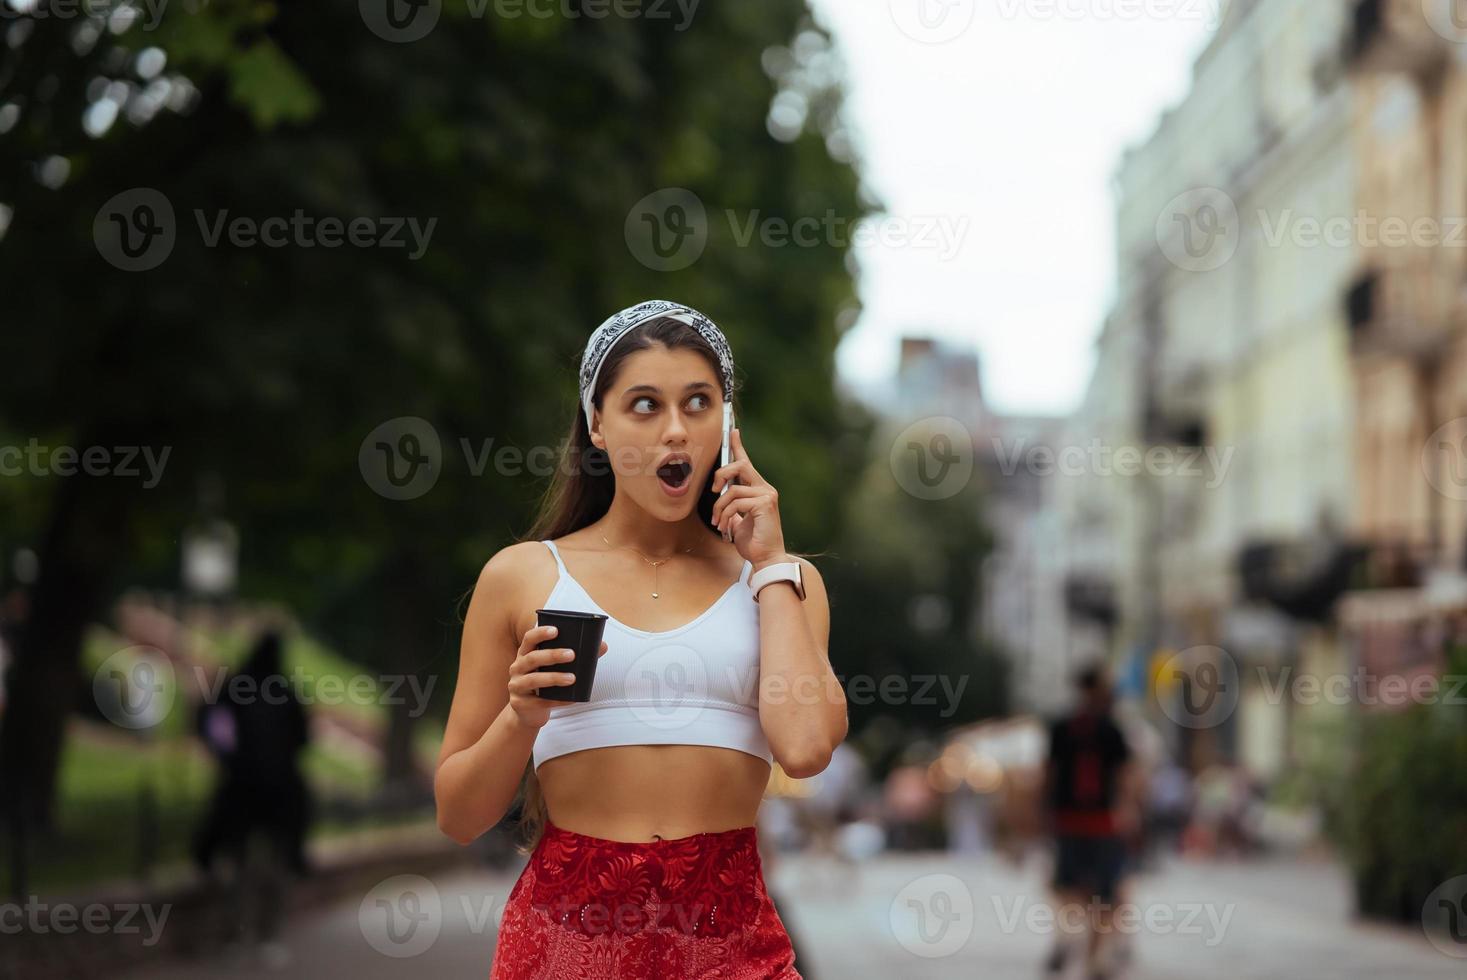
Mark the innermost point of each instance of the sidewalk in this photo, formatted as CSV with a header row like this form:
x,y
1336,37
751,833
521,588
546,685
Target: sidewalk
x,y
140,925
1209,920
1279,921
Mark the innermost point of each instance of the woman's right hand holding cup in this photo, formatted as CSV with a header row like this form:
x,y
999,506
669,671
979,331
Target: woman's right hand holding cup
x,y
525,679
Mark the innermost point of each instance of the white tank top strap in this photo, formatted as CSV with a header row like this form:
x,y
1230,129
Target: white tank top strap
x,y
556,552
744,575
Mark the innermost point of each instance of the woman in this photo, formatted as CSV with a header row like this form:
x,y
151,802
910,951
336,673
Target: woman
x,y
640,804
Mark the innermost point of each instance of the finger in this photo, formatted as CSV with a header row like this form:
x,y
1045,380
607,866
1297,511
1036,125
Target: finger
x,y
736,444
739,505
604,647
734,492
737,451
534,680
538,658
536,635
724,474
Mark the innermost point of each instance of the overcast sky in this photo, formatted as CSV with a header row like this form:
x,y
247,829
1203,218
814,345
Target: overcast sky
x,y
991,130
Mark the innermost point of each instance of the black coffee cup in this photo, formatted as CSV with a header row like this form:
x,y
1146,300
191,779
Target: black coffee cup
x,y
578,631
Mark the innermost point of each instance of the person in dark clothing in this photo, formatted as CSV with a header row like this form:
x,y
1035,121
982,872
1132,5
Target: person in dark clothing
x,y
261,806
1089,797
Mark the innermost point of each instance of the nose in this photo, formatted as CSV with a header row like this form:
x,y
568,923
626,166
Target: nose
x,y
677,428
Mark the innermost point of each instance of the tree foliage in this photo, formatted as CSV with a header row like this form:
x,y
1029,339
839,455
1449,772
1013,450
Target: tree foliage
x,y
526,142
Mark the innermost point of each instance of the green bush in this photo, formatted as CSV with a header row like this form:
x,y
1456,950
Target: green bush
x,y
1404,818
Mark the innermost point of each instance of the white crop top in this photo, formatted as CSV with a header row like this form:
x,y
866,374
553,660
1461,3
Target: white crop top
x,y
694,685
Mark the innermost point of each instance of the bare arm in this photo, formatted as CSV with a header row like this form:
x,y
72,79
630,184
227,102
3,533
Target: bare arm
x,y
802,707
1131,781
496,713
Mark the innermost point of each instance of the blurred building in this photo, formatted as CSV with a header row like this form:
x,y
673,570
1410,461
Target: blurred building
x,y
1020,585
934,378
1407,307
1019,602
1271,371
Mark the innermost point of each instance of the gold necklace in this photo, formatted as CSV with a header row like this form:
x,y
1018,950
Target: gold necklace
x,y
656,565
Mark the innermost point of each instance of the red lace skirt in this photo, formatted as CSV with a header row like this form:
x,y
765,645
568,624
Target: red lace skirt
x,y
689,907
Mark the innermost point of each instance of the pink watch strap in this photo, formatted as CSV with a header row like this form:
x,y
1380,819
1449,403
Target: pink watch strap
x,y
788,571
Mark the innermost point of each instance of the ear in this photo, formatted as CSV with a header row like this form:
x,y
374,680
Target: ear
x,y
597,439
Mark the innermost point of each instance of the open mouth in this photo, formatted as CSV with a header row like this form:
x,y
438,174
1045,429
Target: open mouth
x,y
674,475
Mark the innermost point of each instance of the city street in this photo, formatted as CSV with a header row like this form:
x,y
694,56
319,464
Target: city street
x,y
914,916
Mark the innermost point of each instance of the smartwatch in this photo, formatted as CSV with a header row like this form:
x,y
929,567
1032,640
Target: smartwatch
x,y
784,571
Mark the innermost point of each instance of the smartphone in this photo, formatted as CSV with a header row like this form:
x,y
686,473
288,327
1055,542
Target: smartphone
x,y
727,429
723,456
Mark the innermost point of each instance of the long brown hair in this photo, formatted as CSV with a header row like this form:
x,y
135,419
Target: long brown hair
x,y
582,488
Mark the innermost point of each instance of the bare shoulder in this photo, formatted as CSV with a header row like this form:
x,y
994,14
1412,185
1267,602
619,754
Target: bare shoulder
x,y
510,563
519,575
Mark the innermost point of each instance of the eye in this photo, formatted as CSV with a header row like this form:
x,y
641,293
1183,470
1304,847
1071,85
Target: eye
x,y
638,401
708,402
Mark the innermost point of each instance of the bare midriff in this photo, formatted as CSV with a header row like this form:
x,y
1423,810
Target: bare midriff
x,y
642,793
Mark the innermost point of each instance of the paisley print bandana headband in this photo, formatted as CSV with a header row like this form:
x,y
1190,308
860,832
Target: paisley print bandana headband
x,y
617,326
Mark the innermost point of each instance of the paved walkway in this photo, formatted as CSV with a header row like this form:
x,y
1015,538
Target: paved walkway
x,y
1193,921
908,916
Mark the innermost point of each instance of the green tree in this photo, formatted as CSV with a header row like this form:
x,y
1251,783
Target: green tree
x,y
905,586
526,142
